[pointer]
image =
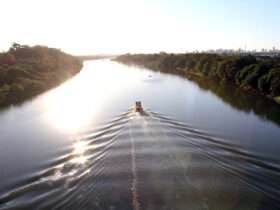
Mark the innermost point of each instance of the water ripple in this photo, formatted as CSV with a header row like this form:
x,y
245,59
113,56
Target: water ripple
x,y
149,162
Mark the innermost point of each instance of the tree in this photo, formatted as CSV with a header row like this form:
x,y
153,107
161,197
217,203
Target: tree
x,y
7,58
14,47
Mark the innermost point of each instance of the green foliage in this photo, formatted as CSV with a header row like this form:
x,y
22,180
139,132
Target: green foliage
x,y
277,99
270,82
259,73
250,75
4,90
26,71
241,75
7,58
15,93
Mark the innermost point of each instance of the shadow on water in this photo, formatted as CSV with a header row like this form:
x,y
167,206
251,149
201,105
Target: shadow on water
x,y
149,162
241,100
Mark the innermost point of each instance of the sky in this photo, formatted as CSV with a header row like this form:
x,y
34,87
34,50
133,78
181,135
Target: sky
x,y
86,27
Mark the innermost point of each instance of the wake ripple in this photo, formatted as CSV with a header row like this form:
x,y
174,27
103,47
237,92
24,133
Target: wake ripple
x,y
149,162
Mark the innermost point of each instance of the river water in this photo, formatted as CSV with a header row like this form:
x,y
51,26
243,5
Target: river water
x,y
199,145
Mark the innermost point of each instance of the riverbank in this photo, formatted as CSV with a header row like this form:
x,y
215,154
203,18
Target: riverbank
x,y
255,74
28,71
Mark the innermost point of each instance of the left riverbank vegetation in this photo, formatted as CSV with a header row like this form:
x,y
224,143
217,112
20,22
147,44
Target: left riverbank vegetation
x,y
249,72
27,71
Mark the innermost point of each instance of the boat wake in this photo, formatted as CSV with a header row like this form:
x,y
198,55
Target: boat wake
x,y
149,162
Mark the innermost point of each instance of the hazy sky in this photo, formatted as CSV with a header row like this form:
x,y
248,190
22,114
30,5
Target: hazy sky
x,y
119,26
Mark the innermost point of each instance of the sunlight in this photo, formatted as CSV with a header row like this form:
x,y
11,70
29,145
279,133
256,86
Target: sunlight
x,y
79,101
79,160
69,107
79,147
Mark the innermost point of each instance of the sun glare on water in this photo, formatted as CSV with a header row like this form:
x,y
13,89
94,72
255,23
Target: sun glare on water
x,y
83,99
79,149
72,105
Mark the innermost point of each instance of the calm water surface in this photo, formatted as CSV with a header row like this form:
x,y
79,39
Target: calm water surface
x,y
199,146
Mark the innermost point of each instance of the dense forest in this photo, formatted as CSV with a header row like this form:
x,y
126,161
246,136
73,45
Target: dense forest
x,y
259,74
27,71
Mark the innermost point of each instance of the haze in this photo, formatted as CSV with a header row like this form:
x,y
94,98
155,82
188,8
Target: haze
x,y
90,27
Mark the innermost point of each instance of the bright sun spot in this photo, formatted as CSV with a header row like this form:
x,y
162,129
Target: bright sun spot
x,y
79,147
80,101
70,107
79,160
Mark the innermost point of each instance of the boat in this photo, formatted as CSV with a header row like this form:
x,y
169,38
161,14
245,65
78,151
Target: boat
x,y
138,107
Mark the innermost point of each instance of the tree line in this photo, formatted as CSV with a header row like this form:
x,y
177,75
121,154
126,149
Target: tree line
x,y
261,74
27,71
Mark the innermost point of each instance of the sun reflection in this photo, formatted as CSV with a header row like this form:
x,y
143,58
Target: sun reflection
x,y
80,147
79,160
71,106
83,99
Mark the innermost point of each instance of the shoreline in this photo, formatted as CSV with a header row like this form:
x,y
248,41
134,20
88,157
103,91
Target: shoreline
x,y
258,76
26,72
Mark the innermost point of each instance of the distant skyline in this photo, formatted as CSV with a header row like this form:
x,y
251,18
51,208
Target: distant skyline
x,y
83,27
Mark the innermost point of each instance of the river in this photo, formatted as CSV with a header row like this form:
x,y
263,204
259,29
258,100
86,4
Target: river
x,y
200,145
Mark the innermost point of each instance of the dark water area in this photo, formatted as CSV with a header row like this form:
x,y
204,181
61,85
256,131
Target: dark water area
x,y
201,145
